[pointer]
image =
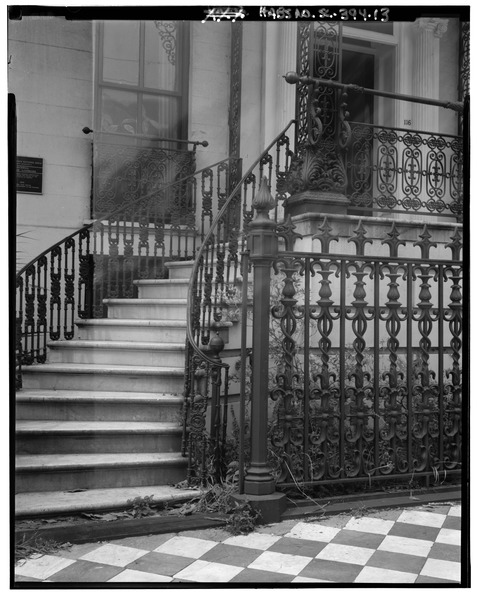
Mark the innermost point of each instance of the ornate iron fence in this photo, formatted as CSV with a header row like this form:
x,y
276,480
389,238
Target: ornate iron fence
x,y
219,282
366,381
103,259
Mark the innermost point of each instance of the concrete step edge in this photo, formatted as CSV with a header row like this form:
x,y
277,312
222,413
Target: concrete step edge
x,y
117,345
66,396
97,369
95,500
146,302
92,461
131,322
147,282
176,263
108,427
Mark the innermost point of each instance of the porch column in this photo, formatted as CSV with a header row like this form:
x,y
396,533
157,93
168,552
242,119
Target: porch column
x,y
263,245
426,70
286,94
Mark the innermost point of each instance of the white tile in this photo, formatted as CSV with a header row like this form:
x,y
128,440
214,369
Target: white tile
x,y
372,525
201,571
370,574
439,568
449,536
313,532
422,518
43,567
405,545
283,563
137,576
455,511
306,579
255,540
114,555
346,553
186,546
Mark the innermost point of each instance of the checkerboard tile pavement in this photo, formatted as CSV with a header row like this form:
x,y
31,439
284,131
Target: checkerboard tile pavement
x,y
395,546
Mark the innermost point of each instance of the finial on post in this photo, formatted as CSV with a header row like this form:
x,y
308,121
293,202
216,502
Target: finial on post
x,y
263,201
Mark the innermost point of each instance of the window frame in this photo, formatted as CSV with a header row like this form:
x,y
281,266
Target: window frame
x,y
182,64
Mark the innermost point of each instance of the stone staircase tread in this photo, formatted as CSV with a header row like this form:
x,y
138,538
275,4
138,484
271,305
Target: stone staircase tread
x,y
73,368
90,427
87,461
161,281
138,345
130,322
61,395
146,301
97,500
172,263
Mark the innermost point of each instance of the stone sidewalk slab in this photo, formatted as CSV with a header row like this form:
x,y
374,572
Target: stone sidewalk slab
x,y
420,545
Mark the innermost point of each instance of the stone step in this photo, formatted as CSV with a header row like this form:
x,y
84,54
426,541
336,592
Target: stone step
x,y
161,309
104,377
52,436
51,503
180,269
132,353
60,472
75,405
104,329
162,288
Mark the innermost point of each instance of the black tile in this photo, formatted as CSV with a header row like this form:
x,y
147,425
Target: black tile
x,y
329,570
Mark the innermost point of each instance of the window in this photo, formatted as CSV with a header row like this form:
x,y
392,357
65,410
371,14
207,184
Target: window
x,y
140,112
141,85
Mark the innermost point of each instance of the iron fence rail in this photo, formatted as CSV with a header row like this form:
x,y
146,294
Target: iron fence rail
x,y
346,414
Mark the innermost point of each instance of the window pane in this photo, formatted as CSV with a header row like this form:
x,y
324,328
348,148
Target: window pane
x,y
118,111
161,55
121,47
160,116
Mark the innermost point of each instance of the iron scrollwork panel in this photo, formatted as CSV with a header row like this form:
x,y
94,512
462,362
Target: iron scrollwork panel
x,y
125,173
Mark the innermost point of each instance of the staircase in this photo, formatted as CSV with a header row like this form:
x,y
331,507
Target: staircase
x,y
100,422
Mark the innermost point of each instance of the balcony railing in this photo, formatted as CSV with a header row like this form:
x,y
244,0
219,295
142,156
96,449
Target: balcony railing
x,y
375,168
395,169
124,172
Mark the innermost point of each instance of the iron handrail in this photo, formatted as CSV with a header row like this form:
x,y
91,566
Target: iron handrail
x,y
205,243
404,130
204,143
117,210
293,78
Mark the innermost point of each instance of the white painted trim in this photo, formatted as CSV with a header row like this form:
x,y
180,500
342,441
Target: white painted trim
x,y
372,36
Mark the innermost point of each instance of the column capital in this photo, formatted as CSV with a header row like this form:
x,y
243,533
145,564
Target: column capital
x,y
436,25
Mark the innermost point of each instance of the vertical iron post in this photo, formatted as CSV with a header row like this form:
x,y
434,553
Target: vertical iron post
x,y
263,246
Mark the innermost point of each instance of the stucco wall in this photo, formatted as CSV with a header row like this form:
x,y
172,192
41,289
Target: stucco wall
x,y
50,73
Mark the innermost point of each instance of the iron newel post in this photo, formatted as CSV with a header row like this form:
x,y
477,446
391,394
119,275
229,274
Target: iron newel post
x,y
263,247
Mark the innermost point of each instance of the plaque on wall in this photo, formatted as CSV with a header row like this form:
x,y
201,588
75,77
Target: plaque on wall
x,y
29,175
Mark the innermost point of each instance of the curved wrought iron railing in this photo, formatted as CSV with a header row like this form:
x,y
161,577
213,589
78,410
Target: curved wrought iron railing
x,y
218,288
71,278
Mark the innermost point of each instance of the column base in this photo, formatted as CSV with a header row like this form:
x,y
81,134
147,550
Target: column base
x,y
270,507
323,202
